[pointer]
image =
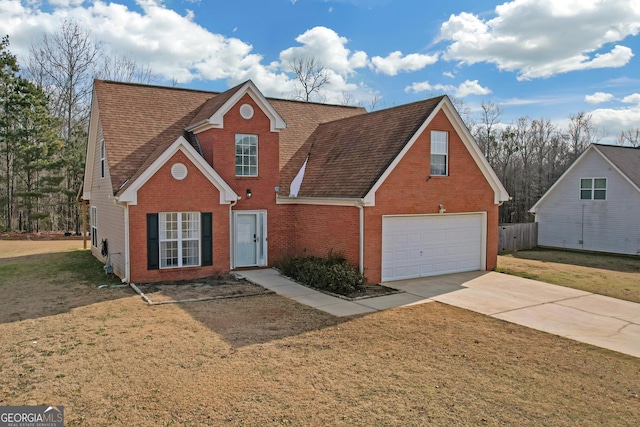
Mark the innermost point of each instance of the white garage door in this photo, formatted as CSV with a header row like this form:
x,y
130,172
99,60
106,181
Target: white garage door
x,y
429,245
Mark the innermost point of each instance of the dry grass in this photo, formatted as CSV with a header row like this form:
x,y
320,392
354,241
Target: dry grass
x,y
614,276
266,360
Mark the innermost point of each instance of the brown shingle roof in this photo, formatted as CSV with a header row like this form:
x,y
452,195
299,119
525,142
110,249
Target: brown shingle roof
x,y
140,121
137,120
348,156
627,159
302,118
212,105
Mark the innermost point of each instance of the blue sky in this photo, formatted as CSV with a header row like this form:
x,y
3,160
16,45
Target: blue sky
x,y
537,58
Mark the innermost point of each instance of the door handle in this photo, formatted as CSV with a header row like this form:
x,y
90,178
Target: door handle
x,y
255,239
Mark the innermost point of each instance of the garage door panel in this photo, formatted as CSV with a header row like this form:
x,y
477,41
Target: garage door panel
x,y
428,245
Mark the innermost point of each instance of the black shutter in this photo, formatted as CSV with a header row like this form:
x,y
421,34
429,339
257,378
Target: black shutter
x,y
206,239
153,245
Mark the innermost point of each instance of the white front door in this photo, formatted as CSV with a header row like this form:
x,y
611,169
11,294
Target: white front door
x,y
250,249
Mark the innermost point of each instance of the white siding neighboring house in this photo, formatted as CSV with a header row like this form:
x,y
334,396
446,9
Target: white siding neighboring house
x,y
595,204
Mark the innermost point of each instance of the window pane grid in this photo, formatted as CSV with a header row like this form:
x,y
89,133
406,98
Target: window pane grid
x,y
439,153
246,155
179,239
593,189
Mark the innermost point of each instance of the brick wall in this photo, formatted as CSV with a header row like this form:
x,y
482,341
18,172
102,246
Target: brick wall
x,y
409,190
163,193
319,230
218,146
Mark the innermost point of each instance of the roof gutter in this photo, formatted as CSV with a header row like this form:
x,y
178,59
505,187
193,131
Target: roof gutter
x,y
325,201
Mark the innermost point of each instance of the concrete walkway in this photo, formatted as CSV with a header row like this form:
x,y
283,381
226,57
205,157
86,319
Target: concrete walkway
x,y
582,316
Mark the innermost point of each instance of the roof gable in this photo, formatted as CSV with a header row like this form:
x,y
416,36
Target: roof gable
x,y
136,120
351,158
211,115
336,167
129,194
625,160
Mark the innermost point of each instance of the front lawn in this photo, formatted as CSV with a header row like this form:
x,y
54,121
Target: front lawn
x,y
111,359
610,275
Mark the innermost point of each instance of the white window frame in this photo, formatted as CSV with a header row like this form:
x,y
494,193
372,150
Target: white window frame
x,y
171,237
94,226
435,151
592,188
243,161
102,159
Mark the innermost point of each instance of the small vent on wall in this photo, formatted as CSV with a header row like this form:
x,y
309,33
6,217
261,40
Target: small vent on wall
x,y
246,111
179,171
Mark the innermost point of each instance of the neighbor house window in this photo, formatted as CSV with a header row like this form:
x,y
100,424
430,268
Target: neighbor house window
x,y
102,158
439,153
179,239
593,189
246,155
94,226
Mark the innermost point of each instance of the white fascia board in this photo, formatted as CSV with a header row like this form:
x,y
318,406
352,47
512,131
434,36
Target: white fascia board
x,y
216,121
500,193
322,201
91,148
370,197
595,147
534,208
227,195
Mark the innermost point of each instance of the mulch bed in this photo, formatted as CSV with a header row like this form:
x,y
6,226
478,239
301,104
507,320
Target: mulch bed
x,y
205,289
45,235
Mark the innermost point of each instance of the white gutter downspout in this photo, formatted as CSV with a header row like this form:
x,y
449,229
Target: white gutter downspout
x,y
127,267
360,206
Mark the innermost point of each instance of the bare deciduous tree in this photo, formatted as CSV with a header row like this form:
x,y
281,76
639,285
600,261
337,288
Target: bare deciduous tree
x,y
311,76
629,137
580,134
125,69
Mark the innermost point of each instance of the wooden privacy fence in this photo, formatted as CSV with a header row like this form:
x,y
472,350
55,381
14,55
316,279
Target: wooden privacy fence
x,y
516,237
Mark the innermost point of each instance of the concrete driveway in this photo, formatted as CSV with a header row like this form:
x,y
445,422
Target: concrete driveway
x,y
571,313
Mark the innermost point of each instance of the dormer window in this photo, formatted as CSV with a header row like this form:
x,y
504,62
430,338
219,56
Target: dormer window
x,y
246,155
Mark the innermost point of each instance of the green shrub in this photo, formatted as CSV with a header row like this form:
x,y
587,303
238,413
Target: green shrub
x,y
333,274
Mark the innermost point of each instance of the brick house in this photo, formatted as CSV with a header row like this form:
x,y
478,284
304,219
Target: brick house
x,y
184,184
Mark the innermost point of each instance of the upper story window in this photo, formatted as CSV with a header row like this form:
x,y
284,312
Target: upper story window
x,y
102,159
246,155
439,153
593,189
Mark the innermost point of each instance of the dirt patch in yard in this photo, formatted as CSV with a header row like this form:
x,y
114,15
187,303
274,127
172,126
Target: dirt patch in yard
x,y
267,360
215,287
610,275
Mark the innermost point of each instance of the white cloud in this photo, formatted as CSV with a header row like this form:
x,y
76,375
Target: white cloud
x,y
468,87
395,62
598,98
449,74
614,120
632,99
327,47
541,38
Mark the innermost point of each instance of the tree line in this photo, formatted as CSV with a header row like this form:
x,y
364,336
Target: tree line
x,y
529,155
44,119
